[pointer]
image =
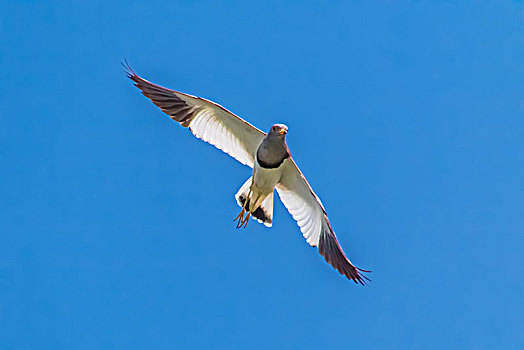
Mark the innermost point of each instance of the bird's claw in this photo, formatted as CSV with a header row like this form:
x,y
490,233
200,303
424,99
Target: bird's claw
x,y
242,221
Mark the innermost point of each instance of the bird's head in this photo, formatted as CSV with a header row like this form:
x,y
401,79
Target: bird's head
x,y
278,129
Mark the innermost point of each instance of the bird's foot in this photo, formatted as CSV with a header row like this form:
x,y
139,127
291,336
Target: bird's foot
x,y
242,221
246,220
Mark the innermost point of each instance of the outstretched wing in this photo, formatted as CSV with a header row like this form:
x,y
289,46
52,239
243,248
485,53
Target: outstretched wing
x,y
306,208
206,120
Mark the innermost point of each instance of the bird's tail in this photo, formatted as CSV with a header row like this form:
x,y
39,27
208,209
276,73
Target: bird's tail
x,y
264,213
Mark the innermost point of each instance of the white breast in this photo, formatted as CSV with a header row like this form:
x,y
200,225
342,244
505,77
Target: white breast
x,y
266,179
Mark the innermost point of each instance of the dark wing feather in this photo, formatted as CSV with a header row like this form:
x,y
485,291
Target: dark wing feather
x,y
332,252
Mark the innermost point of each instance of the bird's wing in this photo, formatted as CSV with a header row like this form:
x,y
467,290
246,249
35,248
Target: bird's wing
x,y
306,208
206,120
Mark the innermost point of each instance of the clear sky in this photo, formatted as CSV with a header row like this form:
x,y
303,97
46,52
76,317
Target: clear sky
x,y
116,225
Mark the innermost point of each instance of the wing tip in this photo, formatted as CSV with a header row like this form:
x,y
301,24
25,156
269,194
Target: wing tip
x,y
130,73
360,278
355,274
330,249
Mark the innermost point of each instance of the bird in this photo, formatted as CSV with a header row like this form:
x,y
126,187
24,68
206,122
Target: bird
x,y
272,165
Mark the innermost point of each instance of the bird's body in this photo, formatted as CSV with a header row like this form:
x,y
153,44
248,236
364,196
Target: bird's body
x,y
273,168
259,193
269,163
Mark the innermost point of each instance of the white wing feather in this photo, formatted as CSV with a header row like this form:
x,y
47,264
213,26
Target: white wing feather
x,y
301,202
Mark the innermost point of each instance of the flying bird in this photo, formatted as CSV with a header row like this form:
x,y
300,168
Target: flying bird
x,y
273,168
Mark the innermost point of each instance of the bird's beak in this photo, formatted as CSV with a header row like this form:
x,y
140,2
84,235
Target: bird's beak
x,y
282,132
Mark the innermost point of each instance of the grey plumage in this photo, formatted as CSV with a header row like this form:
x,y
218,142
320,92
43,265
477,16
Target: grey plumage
x,y
273,150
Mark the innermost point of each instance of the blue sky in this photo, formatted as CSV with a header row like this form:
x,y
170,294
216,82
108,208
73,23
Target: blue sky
x,y
116,225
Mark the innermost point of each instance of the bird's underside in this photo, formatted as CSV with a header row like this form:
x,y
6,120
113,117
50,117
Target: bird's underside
x,y
273,168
